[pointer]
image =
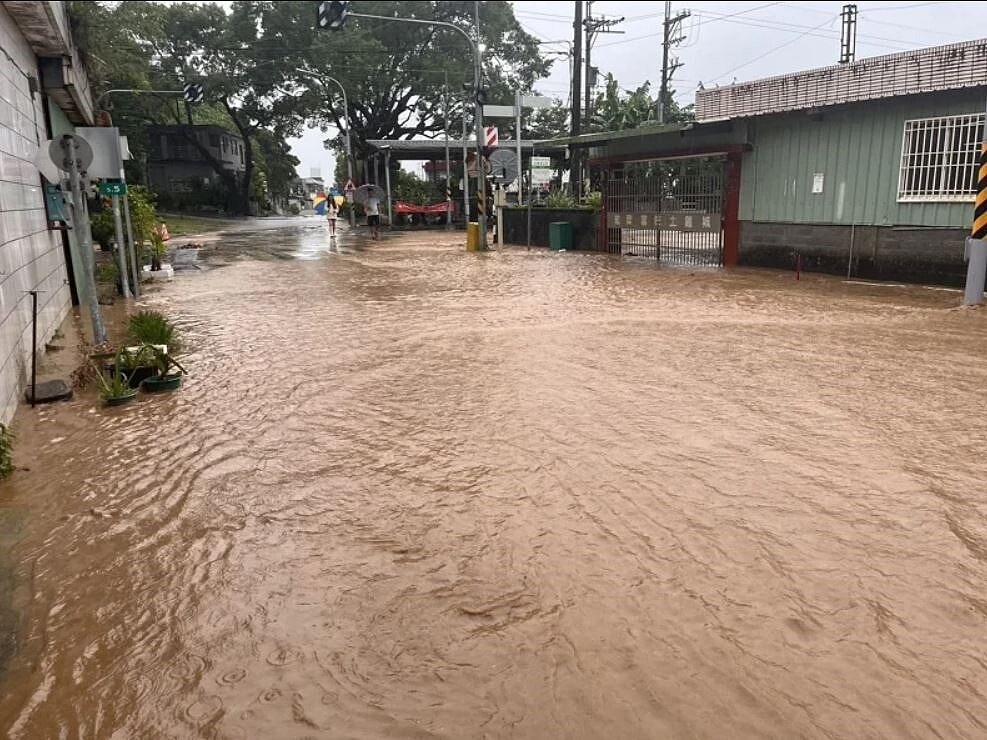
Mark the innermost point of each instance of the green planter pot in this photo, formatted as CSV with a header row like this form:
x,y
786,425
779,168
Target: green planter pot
x,y
121,400
137,375
157,384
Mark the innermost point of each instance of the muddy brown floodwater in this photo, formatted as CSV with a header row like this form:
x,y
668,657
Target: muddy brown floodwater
x,y
413,492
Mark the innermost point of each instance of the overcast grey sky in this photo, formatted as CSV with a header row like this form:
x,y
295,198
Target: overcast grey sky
x,y
726,41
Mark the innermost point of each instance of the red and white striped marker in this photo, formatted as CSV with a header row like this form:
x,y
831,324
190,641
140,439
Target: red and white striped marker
x,y
490,133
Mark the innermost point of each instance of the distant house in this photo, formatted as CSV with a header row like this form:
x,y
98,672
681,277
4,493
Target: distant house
x,y
302,190
307,186
176,165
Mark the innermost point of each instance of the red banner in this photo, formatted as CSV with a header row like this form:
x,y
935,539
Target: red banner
x,y
427,210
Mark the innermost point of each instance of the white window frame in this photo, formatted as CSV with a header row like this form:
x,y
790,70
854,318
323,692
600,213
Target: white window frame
x,y
945,156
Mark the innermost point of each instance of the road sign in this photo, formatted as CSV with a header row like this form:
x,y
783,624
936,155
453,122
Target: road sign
x,y
58,150
349,185
113,188
503,166
498,111
193,93
491,136
332,15
541,170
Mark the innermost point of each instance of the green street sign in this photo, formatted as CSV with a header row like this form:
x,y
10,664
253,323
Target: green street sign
x,y
113,188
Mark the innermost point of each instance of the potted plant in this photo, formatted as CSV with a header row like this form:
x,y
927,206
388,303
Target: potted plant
x,y
164,379
116,390
134,364
151,327
158,250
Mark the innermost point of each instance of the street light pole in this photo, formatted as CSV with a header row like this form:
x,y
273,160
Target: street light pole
x,y
478,116
346,117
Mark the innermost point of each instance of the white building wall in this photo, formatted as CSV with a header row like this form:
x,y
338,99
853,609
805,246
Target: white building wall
x,y
31,256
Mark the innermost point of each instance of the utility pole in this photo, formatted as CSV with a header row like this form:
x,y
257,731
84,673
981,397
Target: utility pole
x,y
594,27
445,131
575,170
575,166
671,36
848,35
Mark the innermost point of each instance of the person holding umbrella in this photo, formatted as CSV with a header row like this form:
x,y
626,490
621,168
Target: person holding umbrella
x,y
373,216
369,196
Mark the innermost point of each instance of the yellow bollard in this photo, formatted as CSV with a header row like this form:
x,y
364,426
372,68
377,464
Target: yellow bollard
x,y
472,237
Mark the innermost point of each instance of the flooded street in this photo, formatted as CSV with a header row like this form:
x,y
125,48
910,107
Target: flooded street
x,y
409,491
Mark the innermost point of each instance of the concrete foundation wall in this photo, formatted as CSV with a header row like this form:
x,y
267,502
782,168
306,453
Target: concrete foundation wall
x,y
584,222
31,256
879,252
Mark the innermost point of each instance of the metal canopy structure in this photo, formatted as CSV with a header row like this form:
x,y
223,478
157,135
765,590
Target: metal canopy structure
x,y
424,149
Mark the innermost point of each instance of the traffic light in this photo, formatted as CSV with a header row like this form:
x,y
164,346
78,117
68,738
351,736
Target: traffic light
x,y
332,15
193,93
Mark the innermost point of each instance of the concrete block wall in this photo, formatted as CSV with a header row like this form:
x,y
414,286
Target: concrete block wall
x,y
31,256
585,225
930,255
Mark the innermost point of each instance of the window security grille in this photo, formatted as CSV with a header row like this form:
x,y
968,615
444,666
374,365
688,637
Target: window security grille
x,y
939,158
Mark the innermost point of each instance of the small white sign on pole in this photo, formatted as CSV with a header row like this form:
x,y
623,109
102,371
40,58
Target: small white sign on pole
x,y
498,111
541,171
535,101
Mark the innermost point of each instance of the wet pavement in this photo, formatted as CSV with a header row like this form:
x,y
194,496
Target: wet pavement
x,y
409,491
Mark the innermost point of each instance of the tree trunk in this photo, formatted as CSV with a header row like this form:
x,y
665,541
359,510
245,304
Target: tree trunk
x,y
248,172
243,192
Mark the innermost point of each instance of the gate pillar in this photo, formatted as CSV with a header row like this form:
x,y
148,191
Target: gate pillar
x,y
731,211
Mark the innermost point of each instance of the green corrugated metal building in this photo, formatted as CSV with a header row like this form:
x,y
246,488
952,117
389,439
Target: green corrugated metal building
x,y
867,167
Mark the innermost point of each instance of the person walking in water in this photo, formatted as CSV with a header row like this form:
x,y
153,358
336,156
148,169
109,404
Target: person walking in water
x,y
332,213
373,216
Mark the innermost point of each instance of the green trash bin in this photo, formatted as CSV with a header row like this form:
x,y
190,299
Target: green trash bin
x,y
560,235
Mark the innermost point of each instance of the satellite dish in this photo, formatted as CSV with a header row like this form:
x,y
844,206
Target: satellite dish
x,y
58,151
503,166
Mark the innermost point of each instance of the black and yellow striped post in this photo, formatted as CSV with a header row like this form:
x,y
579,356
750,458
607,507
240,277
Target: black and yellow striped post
x,y
976,245
979,230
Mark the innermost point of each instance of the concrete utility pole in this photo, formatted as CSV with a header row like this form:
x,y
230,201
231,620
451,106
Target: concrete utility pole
x,y
575,170
671,36
445,130
594,27
80,222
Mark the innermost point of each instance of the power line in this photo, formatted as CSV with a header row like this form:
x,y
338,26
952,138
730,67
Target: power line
x,y
697,13
758,58
902,7
863,16
787,26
